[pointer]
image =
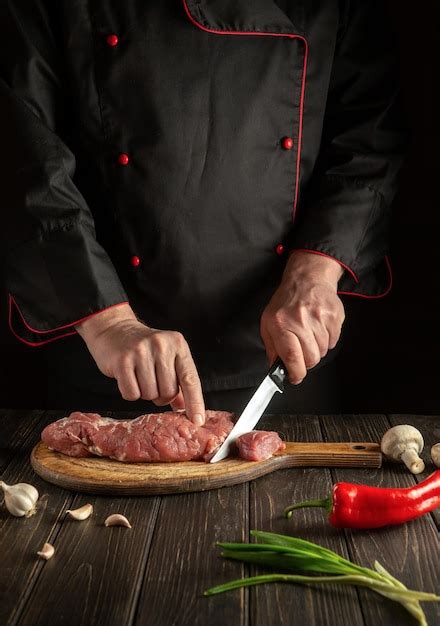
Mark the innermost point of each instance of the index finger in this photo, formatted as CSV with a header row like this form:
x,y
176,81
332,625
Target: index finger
x,y
191,387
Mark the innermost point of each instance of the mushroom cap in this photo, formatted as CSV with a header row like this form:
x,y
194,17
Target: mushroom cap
x,y
399,438
435,454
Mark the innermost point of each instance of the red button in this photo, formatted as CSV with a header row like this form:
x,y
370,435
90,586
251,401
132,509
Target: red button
x,y
123,159
112,40
279,249
287,143
135,261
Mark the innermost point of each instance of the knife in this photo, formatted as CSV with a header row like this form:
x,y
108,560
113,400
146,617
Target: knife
x,y
273,382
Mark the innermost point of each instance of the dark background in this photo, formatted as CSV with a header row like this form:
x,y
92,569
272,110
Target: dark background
x,y
389,361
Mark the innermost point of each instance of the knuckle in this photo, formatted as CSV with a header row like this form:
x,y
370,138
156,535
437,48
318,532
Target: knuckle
x,y
336,314
179,340
278,320
139,348
189,379
130,394
124,363
159,342
333,314
149,395
291,354
301,313
312,362
297,376
168,392
333,342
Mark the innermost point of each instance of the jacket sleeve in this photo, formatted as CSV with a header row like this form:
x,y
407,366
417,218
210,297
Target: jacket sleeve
x,y
54,269
345,210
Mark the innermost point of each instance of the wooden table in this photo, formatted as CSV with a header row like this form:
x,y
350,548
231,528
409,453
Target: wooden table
x,y
155,573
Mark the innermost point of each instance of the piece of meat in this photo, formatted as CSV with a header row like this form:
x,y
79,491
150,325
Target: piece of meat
x,y
154,437
259,445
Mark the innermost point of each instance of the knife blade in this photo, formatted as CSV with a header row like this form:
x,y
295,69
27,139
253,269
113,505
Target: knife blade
x,y
272,383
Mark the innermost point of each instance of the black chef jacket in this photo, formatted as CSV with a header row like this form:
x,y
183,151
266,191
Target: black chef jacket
x,y
170,153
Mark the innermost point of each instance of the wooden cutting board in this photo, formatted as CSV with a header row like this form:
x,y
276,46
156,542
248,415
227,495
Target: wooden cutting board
x,y
104,476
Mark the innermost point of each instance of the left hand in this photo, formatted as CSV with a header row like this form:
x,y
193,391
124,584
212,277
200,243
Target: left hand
x,y
304,317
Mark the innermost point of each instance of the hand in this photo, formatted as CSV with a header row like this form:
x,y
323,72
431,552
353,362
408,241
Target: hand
x,y
147,363
304,317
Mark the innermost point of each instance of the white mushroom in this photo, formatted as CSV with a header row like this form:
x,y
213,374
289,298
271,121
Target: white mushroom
x,y
117,520
435,454
404,443
82,513
47,551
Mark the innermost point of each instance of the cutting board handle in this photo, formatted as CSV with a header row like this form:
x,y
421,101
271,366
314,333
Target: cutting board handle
x,y
337,454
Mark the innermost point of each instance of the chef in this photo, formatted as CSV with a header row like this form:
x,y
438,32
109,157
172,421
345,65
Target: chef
x,y
189,186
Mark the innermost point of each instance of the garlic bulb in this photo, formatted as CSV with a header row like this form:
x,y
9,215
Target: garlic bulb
x,y
20,499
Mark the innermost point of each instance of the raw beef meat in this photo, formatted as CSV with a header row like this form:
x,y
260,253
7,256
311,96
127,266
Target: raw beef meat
x,y
155,437
259,445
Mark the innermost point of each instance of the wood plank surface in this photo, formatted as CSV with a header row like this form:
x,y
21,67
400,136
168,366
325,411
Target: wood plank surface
x,y
285,604
21,538
411,551
429,426
184,561
105,476
94,577
15,427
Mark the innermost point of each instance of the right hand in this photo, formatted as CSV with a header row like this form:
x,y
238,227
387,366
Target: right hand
x,y
147,363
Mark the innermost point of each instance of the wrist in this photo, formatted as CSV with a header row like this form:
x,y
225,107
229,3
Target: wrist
x,y
313,267
102,320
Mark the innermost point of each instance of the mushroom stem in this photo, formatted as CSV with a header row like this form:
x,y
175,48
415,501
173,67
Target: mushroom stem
x,y
412,461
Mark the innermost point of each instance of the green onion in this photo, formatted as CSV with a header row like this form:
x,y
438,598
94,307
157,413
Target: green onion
x,y
292,553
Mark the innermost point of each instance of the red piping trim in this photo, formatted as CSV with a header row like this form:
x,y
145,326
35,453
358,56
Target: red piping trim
x,y
380,295
303,85
12,302
349,270
37,344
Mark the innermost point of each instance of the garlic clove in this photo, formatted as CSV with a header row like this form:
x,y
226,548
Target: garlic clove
x,y
20,499
117,520
46,552
82,513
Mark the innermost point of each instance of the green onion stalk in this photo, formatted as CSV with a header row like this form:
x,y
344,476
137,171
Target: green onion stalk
x,y
292,553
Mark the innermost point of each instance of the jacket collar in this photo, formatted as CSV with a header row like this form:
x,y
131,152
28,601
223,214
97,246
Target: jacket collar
x,y
245,16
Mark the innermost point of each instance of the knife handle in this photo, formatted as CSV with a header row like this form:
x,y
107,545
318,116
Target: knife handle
x,y
278,374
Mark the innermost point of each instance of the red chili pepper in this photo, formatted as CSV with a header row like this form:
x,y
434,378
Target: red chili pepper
x,y
360,506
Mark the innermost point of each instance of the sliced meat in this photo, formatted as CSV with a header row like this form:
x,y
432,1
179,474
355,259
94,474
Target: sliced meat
x,y
259,445
154,437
